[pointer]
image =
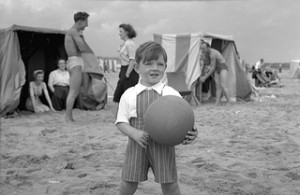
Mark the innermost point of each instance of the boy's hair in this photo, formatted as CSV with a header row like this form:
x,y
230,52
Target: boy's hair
x,y
80,16
148,51
131,33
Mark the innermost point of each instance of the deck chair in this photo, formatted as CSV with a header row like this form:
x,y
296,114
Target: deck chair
x,y
177,81
262,81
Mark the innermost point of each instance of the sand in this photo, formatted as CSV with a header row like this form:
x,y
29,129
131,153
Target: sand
x,y
247,148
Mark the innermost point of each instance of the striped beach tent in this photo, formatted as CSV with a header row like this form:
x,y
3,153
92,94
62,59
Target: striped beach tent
x,y
184,55
109,64
295,68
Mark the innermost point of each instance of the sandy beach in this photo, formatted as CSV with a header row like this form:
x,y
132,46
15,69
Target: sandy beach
x,y
249,148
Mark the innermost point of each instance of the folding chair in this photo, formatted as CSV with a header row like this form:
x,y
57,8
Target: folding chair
x,y
177,81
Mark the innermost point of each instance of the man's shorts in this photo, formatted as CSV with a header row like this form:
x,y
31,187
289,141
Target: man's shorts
x,y
74,61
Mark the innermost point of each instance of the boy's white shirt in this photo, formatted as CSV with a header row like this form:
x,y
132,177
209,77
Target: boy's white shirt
x,y
127,105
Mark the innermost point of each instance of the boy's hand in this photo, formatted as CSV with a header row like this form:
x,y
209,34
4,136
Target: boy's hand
x,y
190,136
141,137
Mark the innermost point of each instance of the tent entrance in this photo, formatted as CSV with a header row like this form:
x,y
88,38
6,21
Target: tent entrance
x,y
39,51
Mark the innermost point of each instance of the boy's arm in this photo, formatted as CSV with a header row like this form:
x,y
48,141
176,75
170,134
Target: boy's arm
x,y
141,137
190,136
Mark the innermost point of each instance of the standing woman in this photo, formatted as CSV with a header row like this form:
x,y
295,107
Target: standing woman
x,y
36,89
127,77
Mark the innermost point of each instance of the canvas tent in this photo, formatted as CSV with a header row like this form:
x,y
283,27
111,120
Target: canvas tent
x,y
22,50
295,68
183,55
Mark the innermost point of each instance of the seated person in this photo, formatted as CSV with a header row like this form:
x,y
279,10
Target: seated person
x,y
275,79
59,85
268,72
36,88
261,80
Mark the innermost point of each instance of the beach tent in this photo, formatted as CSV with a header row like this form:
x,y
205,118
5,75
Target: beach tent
x,y
295,68
183,55
22,50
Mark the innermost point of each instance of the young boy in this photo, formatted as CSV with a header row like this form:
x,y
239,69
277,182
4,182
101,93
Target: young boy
x,y
142,152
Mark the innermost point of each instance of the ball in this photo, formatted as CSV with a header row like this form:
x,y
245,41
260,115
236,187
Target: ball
x,y
168,119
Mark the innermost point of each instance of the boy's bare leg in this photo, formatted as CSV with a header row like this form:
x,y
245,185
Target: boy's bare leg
x,y
128,188
170,189
75,83
223,81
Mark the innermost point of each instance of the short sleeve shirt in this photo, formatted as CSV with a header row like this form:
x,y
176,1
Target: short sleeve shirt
x,y
127,52
127,105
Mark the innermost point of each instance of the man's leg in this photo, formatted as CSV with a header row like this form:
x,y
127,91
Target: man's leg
x,y
128,188
75,83
170,188
223,81
218,88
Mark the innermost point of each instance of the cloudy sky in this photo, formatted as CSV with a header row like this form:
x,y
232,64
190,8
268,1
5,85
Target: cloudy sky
x,y
268,29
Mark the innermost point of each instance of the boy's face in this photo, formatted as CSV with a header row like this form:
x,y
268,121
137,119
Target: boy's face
x,y
151,72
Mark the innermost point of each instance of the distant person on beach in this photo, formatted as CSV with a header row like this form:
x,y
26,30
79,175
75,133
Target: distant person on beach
x,y
142,152
36,89
58,83
127,76
75,45
219,68
259,64
280,68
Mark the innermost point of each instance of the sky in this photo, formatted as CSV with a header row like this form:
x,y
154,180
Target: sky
x,y
268,29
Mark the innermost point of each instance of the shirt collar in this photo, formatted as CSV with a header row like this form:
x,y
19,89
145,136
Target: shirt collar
x,y
157,87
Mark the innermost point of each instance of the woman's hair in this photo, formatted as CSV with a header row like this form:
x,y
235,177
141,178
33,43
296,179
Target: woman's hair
x,y
131,33
59,59
150,51
80,16
37,72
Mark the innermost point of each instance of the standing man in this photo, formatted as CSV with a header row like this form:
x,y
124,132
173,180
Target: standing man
x,y
259,63
75,45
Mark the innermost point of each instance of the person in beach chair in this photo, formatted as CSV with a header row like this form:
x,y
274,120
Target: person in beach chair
x,y
275,79
260,79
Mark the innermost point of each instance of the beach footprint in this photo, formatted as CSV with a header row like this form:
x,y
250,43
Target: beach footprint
x,y
198,162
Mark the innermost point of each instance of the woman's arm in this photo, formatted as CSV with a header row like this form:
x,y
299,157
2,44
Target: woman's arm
x,y
130,67
50,82
131,54
47,96
31,92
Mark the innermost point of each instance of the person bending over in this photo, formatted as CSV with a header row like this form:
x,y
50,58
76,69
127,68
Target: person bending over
x,y
219,68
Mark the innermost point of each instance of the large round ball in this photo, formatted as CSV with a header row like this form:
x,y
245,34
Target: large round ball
x,y
168,119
